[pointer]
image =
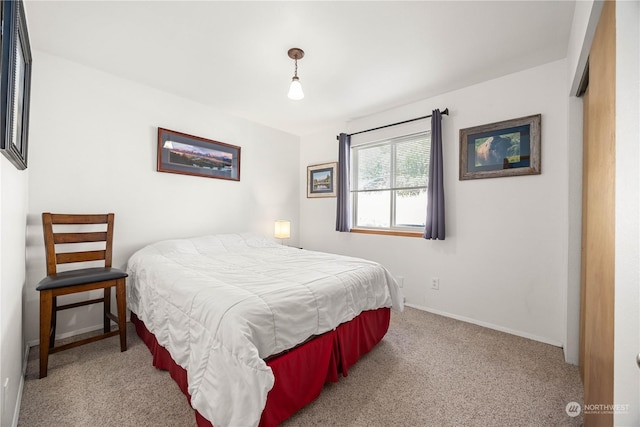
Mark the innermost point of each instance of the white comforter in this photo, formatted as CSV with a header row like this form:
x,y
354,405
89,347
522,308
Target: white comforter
x,y
220,304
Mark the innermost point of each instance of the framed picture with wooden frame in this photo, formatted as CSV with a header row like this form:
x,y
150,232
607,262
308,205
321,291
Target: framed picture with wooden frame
x,y
321,180
507,148
192,155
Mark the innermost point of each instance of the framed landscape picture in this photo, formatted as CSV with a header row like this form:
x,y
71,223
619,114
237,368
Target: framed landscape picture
x,y
321,180
507,148
191,155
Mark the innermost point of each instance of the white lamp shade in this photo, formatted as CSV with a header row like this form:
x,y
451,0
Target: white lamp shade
x,y
282,229
295,90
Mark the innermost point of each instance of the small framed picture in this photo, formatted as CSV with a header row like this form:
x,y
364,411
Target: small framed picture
x,y
507,148
191,155
321,180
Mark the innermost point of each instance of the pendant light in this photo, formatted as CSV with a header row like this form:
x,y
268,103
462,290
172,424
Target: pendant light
x,y
295,90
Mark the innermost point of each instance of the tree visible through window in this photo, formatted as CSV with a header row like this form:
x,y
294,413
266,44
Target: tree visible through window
x,y
389,183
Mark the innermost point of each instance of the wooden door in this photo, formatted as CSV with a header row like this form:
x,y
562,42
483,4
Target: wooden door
x,y
598,257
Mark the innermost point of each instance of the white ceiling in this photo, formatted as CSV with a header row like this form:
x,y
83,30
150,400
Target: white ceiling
x,y
361,57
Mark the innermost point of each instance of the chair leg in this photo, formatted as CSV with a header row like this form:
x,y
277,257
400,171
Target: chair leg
x,y
107,310
46,303
121,297
54,317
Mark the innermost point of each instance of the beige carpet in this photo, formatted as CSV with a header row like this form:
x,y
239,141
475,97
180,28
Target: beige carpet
x,y
428,371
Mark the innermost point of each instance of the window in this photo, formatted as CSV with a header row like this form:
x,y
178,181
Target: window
x,y
389,183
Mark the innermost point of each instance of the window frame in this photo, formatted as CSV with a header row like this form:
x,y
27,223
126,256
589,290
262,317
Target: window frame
x,y
393,229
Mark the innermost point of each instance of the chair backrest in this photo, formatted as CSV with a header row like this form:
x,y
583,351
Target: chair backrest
x,y
51,239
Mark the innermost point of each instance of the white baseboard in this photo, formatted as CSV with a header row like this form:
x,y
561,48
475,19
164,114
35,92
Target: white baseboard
x,y
488,325
33,343
16,410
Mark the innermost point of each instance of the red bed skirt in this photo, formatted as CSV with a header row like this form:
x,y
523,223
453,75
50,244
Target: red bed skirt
x,y
299,373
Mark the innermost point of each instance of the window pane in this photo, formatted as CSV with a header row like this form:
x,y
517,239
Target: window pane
x,y
412,162
374,168
373,209
411,208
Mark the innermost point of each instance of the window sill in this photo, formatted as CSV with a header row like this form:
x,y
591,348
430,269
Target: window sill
x,y
388,232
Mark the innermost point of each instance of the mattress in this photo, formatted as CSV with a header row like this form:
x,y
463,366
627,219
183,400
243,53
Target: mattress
x,y
222,304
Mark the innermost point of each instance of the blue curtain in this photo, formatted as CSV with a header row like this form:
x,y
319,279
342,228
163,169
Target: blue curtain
x,y
434,228
343,215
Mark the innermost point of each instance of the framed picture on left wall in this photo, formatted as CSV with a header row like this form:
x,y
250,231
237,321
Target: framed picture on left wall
x,y
15,83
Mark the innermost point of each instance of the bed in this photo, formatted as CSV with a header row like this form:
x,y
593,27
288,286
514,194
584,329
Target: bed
x,y
231,315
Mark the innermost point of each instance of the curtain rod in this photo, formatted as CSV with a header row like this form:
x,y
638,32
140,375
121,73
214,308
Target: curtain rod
x,y
445,112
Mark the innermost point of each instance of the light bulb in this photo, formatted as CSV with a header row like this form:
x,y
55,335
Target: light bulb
x,y
295,90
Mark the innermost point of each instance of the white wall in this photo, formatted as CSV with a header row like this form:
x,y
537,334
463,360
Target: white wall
x,y
13,214
627,245
93,149
504,261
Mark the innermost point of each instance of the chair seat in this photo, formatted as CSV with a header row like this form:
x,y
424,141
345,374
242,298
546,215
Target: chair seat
x,y
80,277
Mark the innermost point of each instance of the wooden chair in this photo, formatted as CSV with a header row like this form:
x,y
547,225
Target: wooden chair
x,y
78,280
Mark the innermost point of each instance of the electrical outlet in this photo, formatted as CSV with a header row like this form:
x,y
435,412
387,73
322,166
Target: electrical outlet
x,y
400,281
435,283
